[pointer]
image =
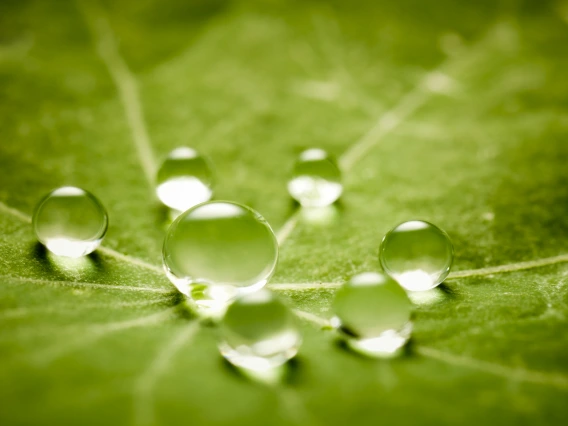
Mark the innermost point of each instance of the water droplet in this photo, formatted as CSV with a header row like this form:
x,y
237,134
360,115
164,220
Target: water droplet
x,y
217,250
259,332
70,222
372,314
185,179
417,254
316,179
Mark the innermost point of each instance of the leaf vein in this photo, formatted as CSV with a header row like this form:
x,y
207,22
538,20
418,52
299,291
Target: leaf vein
x,y
142,398
126,84
124,288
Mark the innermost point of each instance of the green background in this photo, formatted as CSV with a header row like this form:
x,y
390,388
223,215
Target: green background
x,y
452,112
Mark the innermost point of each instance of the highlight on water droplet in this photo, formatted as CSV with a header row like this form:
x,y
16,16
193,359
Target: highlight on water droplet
x,y
259,332
372,315
217,251
184,179
70,221
316,179
417,254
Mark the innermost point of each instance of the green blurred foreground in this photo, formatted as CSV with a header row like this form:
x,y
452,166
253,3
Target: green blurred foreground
x,y
451,112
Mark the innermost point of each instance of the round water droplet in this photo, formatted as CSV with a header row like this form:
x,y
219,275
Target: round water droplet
x,y
185,179
316,179
372,314
417,254
218,250
70,222
259,332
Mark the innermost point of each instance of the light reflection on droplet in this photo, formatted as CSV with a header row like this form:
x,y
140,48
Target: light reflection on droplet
x,y
183,193
264,373
184,179
71,248
389,344
415,280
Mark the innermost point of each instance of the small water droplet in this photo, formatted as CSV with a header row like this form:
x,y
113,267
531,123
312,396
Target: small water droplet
x,y
184,179
372,314
70,222
316,179
259,332
417,254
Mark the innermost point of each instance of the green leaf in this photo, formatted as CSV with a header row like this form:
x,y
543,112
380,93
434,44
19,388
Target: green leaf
x,y
450,112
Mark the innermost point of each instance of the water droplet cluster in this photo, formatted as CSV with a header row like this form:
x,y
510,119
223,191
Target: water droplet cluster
x,y
221,255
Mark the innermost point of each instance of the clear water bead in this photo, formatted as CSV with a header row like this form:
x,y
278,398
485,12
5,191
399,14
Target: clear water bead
x,y
372,314
185,179
316,179
417,254
70,222
217,250
259,332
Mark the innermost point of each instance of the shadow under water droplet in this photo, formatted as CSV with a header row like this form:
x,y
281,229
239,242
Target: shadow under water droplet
x,y
68,267
293,207
182,309
165,216
162,216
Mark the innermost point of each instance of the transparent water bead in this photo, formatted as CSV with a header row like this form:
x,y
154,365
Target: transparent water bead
x,y
70,222
217,250
316,179
417,254
259,332
184,179
372,314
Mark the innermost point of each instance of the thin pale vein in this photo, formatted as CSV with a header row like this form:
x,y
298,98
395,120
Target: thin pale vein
x,y
303,286
74,308
15,212
123,288
143,390
108,251
492,270
385,124
125,82
287,228
131,260
406,106
511,267
96,332
312,318
512,373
